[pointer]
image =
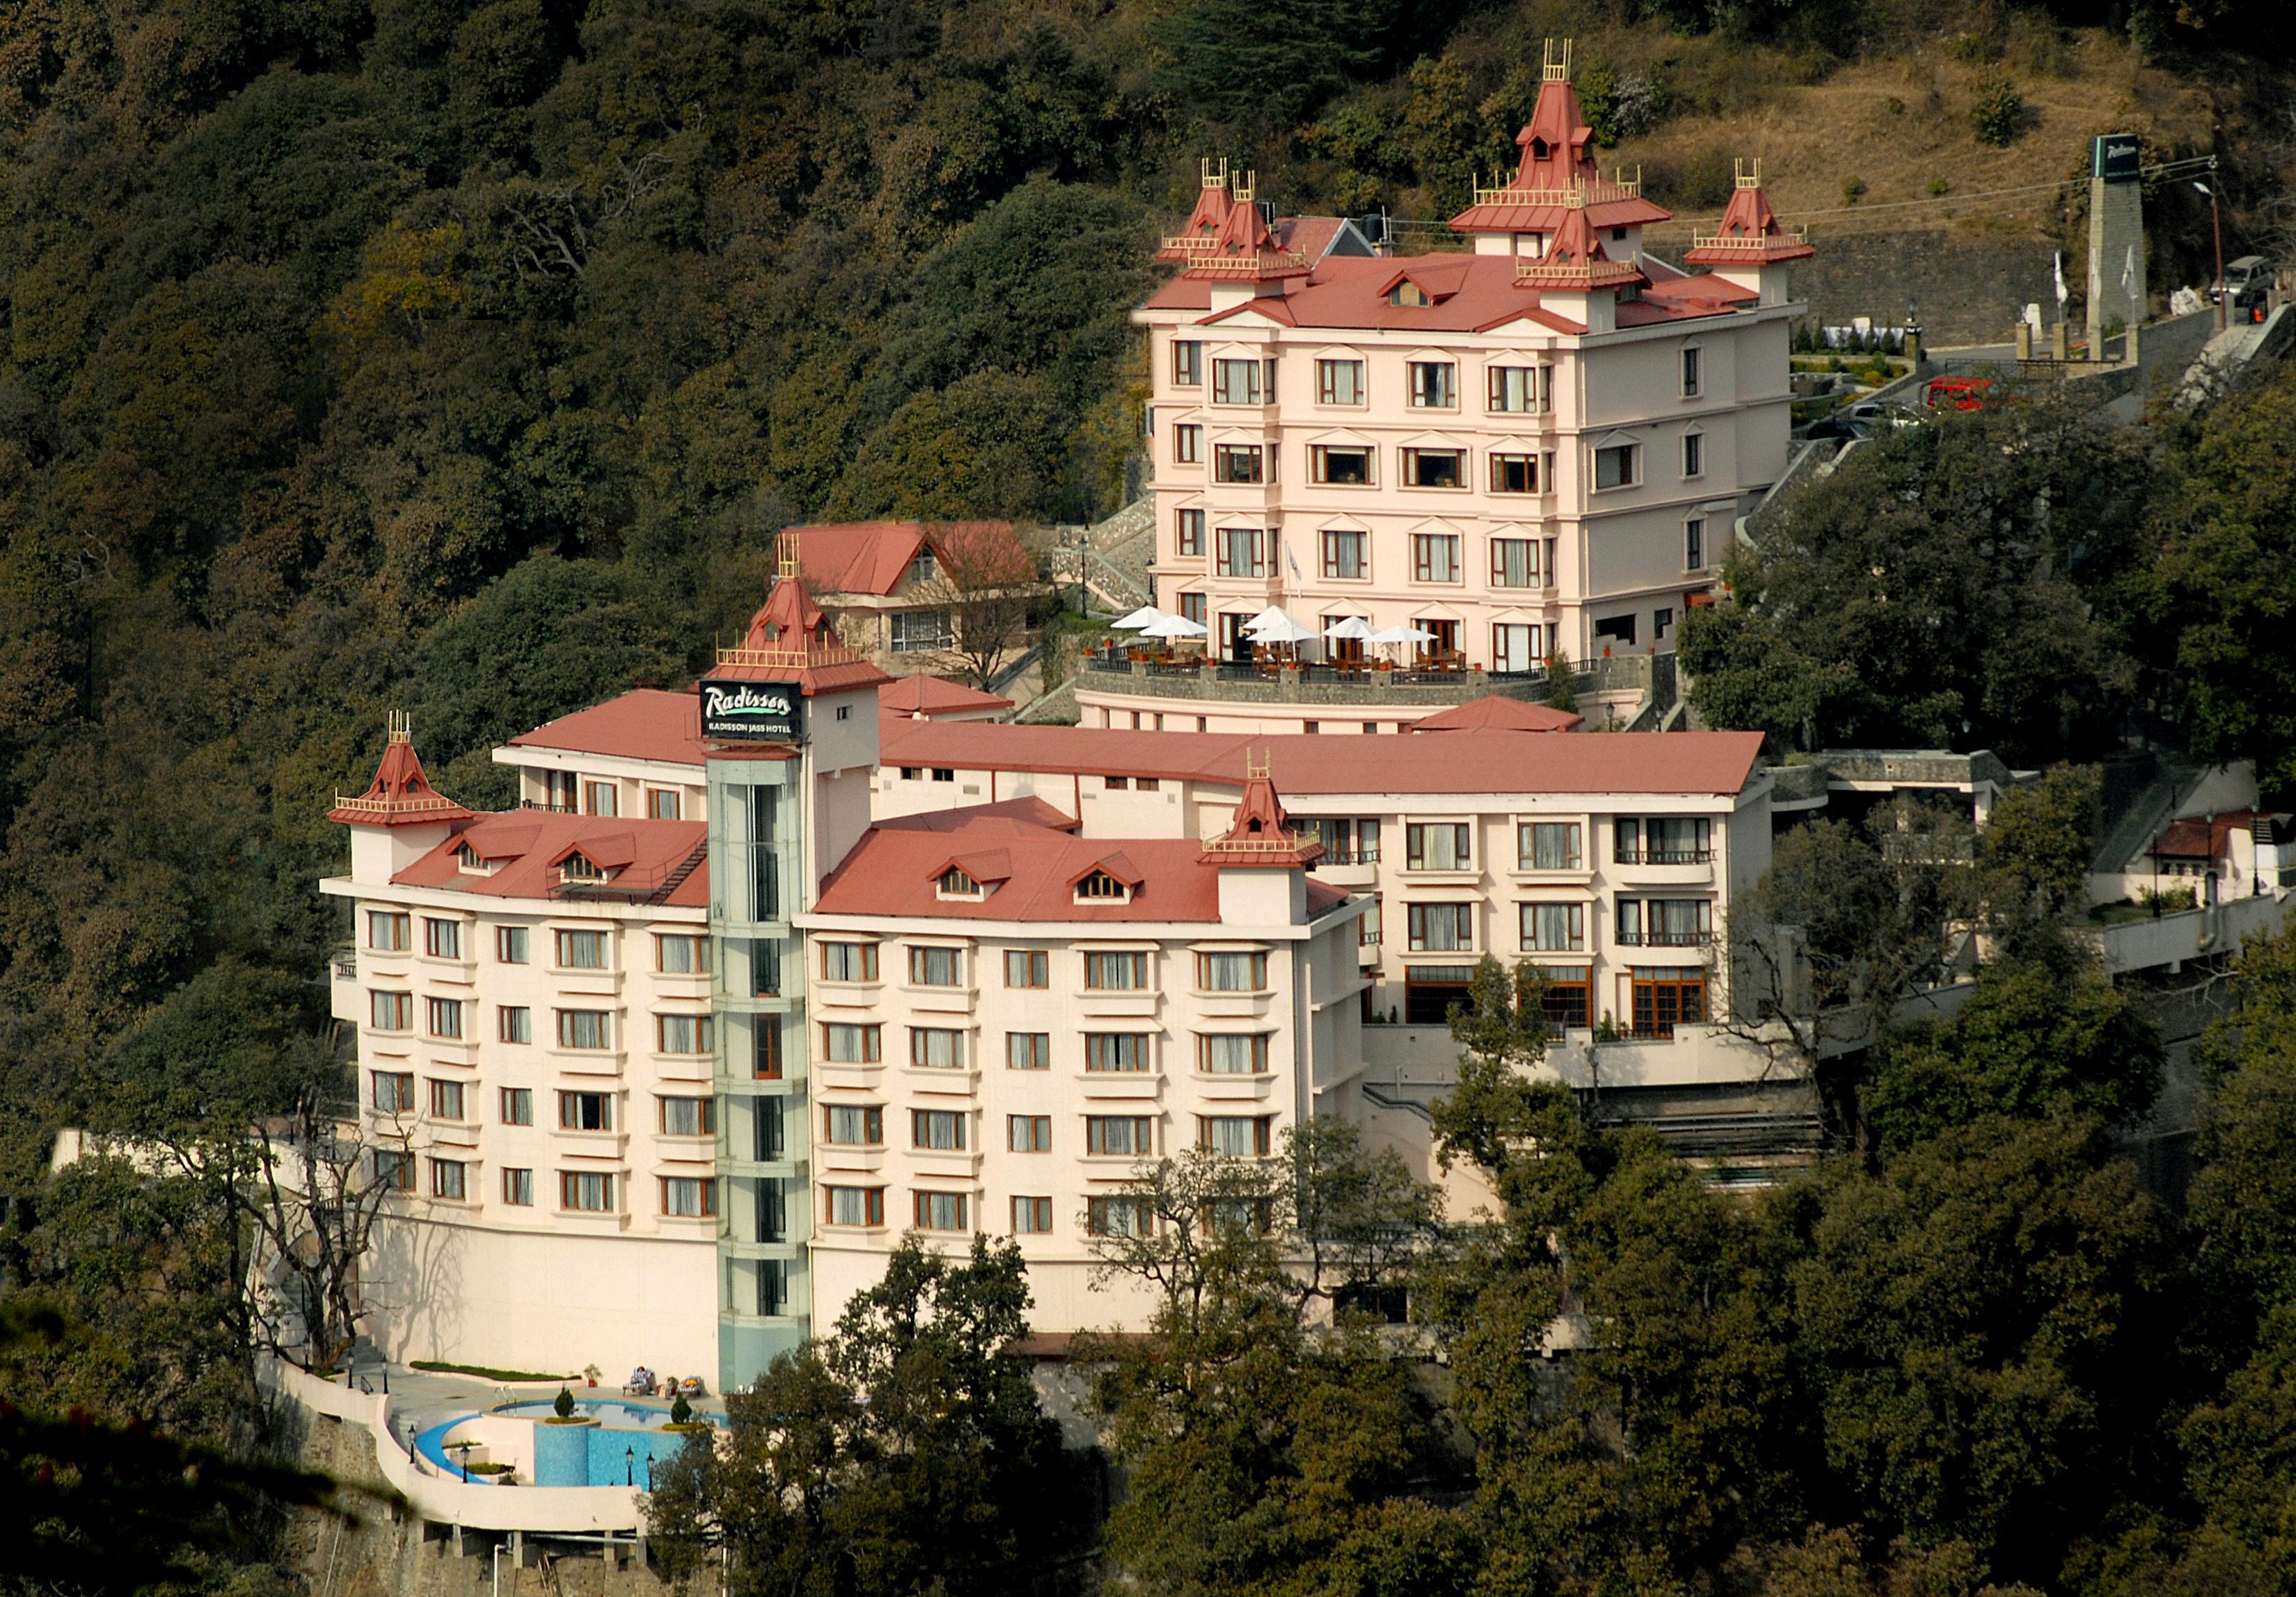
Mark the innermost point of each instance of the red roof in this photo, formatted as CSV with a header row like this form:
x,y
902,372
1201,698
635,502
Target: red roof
x,y
1495,712
400,795
1558,155
655,862
643,723
928,696
790,640
1750,233
1477,292
871,557
894,871
1260,834
1575,261
2200,837
1029,813
1689,763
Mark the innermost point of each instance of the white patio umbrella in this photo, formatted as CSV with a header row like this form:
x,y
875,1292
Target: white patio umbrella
x,y
1283,629
1272,616
1405,633
1147,615
1173,626
1349,629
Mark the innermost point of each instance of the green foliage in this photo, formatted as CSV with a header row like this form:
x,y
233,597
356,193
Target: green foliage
x,y
680,1411
562,1405
1561,688
1998,115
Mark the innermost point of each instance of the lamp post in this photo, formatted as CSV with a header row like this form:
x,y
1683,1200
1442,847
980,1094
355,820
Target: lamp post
x,y
2216,226
630,1466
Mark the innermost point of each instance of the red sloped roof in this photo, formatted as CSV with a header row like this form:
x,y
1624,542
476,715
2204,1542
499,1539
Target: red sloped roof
x,y
1687,762
643,723
926,695
893,869
525,846
1018,815
1750,233
869,557
400,795
1495,712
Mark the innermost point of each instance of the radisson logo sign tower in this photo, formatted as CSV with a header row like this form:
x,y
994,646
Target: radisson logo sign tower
x,y
752,710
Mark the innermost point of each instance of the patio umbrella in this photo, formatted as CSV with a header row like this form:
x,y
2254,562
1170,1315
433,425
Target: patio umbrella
x,y
1405,633
1351,629
1271,616
1173,626
1147,615
1282,629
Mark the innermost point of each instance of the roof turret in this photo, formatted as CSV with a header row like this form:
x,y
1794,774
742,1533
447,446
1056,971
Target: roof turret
x,y
1750,233
1261,832
791,639
1203,226
1574,262
400,795
1244,250
1558,159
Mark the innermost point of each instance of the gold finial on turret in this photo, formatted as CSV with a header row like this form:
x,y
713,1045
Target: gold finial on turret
x,y
1558,61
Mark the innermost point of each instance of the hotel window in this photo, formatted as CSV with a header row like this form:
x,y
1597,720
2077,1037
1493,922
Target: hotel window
x,y
1029,1133
580,867
1570,996
1554,928
510,945
936,1130
599,799
853,1206
1099,887
689,1197
661,804
393,1091
682,1033
590,1191
1231,1053
688,1117
920,631
1434,557
444,1017
517,1188
1430,991
849,962
1343,555
1435,467
1693,544
936,1048
394,1170
1115,1053
1191,534
681,953
391,1012
1408,292
1188,444
1441,928
1663,841
1519,389
936,966
1434,385
1028,1050
581,950
1515,562
1028,968
586,1111
844,1044
1343,466
1238,973
1241,552
1193,606
766,1062
1693,373
853,1125
1237,1136
446,1100
1118,1216
1547,846
766,1130
449,1179
1032,1217
518,1106
1339,382
585,1028
1127,1136
1121,972
386,932
558,791
1694,454
1618,466
1662,1000
1187,364
1514,473
1346,842
1515,646
1664,923
1235,382
941,1211
1438,846
1237,462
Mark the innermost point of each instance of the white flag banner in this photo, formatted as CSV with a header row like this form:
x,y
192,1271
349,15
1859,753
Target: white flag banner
x,y
2063,295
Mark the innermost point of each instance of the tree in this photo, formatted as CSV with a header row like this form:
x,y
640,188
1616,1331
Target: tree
x,y
988,580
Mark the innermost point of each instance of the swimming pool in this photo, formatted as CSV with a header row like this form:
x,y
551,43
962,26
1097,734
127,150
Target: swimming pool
x,y
626,1440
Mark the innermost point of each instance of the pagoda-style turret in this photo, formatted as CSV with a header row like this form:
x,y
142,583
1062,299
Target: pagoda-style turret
x,y
1202,228
1523,215
1750,248
791,640
1263,875
401,816
1245,252
1575,277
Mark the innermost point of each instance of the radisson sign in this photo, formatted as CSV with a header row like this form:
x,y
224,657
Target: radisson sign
x,y
752,711
2115,158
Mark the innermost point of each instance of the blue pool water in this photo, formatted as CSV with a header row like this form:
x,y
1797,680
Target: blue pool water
x,y
615,1451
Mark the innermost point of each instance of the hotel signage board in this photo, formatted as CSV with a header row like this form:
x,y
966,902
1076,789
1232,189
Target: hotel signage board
x,y
752,711
2115,157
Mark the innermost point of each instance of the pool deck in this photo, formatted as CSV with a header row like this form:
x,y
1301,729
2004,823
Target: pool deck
x,y
423,1399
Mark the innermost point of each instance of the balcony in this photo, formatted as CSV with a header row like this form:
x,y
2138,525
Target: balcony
x,y
1404,687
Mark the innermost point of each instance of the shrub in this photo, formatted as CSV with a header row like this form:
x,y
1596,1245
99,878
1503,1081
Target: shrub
x,y
1998,116
681,1411
562,1405
1853,190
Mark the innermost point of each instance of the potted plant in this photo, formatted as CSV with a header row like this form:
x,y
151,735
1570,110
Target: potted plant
x,y
590,1373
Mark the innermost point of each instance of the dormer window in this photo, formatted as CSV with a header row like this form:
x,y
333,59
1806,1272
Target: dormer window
x,y
1408,292
471,862
922,569
1540,149
576,867
1098,887
953,883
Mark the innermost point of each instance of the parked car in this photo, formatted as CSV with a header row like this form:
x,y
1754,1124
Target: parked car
x,y
2246,280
